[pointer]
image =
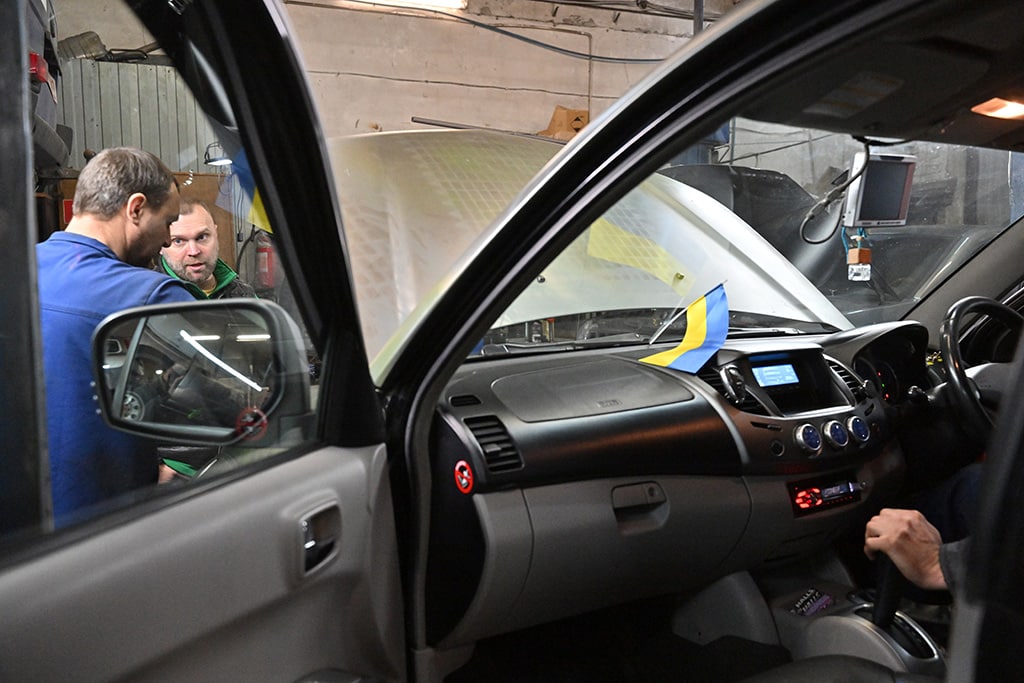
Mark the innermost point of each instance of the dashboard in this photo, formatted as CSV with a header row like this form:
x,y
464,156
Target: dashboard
x,y
568,482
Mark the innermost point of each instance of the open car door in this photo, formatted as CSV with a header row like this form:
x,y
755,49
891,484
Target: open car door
x,y
280,562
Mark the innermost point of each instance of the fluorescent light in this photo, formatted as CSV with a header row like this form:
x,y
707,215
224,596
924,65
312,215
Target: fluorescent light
x,y
1000,109
218,362
252,337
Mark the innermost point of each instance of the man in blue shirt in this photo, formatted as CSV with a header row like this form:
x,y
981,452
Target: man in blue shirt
x,y
124,203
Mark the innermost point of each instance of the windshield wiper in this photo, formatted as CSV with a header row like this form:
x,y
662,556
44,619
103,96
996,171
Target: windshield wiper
x,y
517,348
757,331
770,331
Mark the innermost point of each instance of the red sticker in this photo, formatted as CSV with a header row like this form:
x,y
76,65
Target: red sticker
x,y
463,476
251,423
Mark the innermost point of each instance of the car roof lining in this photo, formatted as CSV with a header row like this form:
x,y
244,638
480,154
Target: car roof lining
x,y
916,79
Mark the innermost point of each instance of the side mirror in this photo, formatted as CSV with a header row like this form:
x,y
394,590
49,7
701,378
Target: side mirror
x,y
204,373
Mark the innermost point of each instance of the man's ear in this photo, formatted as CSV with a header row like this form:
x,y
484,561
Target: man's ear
x,y
134,206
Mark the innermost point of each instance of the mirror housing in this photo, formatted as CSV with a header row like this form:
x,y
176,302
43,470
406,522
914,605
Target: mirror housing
x,y
214,373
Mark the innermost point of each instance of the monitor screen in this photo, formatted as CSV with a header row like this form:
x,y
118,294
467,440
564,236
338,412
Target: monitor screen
x,y
775,375
881,194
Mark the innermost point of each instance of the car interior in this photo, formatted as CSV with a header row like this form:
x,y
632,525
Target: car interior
x,y
566,504
633,523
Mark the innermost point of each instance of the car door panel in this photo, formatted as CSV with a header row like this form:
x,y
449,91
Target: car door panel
x,y
213,588
213,582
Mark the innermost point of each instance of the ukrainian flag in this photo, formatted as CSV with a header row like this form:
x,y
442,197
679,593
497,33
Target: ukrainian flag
x,y
254,213
707,325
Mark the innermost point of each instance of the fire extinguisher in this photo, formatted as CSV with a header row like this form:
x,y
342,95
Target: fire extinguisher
x,y
265,265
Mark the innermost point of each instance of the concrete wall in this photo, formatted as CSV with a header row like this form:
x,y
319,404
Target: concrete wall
x,y
450,70
375,68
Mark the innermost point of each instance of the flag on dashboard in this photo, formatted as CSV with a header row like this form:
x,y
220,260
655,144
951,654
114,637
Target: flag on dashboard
x,y
707,324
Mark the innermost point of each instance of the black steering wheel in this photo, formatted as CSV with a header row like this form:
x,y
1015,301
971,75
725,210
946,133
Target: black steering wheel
x,y
975,391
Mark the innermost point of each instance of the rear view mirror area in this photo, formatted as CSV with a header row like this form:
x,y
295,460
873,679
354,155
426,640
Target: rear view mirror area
x,y
206,373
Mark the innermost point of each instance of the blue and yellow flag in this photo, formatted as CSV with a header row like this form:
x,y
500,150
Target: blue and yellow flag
x,y
250,208
707,325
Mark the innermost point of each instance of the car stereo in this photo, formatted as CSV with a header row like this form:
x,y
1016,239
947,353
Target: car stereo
x,y
814,495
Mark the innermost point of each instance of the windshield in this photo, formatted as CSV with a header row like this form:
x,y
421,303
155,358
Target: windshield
x,y
802,232
956,201
866,240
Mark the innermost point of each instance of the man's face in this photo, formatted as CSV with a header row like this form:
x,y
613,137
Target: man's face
x,y
152,229
193,250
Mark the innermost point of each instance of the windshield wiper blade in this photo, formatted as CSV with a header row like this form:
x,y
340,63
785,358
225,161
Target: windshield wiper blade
x,y
743,331
765,331
516,348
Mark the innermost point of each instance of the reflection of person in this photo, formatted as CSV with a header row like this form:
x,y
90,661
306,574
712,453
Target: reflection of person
x,y
124,203
193,255
916,548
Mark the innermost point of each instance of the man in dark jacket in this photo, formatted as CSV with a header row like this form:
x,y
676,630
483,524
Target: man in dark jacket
x,y
193,255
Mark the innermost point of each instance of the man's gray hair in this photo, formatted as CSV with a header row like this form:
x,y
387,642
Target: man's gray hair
x,y
114,175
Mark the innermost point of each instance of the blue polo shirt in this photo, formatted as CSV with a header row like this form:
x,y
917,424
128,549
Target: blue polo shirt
x,y
81,282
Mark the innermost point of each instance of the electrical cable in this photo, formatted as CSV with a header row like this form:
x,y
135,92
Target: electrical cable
x,y
831,196
510,34
565,52
253,231
837,192
634,6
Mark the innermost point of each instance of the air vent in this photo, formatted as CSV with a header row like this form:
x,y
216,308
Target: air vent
x,y
849,379
748,404
463,400
500,453
711,376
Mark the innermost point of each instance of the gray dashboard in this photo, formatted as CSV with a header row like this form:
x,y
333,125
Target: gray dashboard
x,y
568,482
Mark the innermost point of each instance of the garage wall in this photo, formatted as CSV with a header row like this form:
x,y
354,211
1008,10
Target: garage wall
x,y
108,104
452,70
375,68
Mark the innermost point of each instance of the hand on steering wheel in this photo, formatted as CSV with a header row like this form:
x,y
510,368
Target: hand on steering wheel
x,y
975,392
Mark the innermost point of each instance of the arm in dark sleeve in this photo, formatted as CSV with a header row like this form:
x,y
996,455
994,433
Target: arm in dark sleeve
x,y
953,561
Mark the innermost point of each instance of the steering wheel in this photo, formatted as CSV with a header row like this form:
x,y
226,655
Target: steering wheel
x,y
976,391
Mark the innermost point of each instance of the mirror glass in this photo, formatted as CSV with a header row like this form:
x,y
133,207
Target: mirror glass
x,y
207,368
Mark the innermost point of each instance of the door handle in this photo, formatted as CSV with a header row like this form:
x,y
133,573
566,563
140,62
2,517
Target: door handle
x,y
321,536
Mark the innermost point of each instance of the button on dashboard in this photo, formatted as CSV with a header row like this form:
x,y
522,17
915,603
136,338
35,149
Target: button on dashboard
x,y
835,434
808,438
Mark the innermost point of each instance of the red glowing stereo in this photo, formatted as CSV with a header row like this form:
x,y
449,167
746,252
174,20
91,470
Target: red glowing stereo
x,y
813,495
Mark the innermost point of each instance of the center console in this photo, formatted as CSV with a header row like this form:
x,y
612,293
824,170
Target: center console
x,y
830,619
823,617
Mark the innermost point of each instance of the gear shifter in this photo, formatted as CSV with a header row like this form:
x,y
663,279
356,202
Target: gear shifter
x,y
890,583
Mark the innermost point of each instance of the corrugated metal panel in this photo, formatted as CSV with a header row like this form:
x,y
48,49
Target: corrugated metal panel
x,y
144,105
